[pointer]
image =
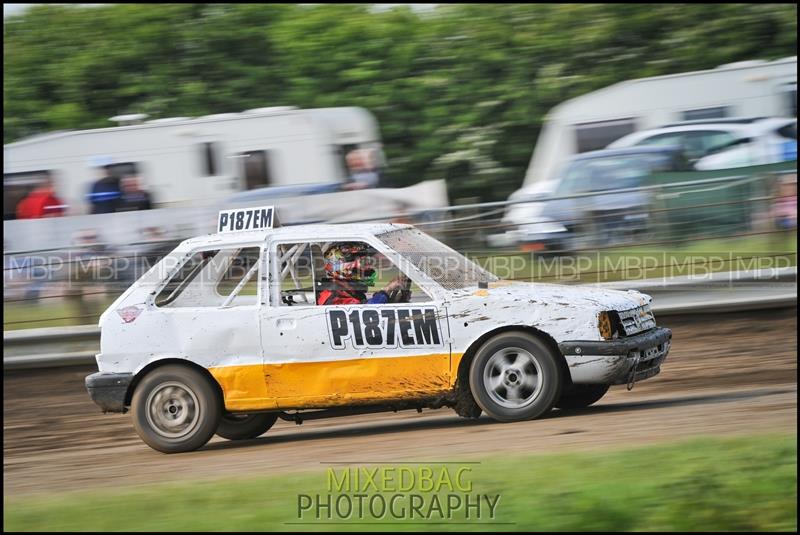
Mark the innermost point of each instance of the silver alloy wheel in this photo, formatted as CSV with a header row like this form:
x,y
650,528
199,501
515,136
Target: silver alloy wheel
x,y
172,410
512,377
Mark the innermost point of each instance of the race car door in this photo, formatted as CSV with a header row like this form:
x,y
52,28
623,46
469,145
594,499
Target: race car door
x,y
341,354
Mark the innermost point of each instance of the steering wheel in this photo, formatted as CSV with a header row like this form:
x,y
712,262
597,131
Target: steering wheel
x,y
403,295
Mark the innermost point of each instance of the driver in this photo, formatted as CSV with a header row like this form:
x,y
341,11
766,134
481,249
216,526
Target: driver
x,y
348,273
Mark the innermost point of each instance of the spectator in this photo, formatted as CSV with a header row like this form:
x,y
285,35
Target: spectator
x,y
784,208
105,193
132,196
41,202
362,169
84,267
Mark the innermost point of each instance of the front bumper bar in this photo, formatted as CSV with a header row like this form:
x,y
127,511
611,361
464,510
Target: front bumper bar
x,y
108,390
620,361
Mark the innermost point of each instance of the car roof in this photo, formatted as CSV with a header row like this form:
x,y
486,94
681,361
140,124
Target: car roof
x,y
721,124
735,120
320,232
626,151
746,129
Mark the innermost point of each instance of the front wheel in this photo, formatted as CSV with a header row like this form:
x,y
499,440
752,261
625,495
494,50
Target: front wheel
x,y
175,409
244,426
515,376
581,396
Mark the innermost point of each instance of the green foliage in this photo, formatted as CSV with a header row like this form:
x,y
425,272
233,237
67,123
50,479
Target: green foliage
x,y
459,91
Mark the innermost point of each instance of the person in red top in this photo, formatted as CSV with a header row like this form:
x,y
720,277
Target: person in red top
x,y
41,202
348,274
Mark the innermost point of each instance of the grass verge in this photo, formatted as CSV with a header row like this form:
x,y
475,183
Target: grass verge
x,y
729,484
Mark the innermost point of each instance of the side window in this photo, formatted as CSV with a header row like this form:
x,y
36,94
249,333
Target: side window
x,y
187,274
695,144
256,169
789,131
17,186
342,151
336,273
121,170
663,140
699,144
295,266
208,158
576,179
788,94
213,278
239,283
719,112
594,136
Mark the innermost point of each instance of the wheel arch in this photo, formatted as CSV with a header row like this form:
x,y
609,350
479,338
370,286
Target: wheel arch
x,y
141,374
462,375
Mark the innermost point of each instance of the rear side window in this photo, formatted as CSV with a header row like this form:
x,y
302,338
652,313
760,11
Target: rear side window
x,y
187,274
238,283
213,278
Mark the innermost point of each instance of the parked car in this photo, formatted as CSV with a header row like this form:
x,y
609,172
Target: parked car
x,y
234,330
722,144
579,211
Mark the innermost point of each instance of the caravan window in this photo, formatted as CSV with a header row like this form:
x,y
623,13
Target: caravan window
x,y
705,113
124,169
17,186
208,155
790,99
594,136
256,169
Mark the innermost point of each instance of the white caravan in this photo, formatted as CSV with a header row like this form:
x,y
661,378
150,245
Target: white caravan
x,y
593,121
181,161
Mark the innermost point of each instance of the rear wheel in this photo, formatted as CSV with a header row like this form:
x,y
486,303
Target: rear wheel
x,y
581,396
244,426
175,409
515,376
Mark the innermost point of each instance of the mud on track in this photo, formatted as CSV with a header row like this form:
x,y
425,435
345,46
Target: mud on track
x,y
727,374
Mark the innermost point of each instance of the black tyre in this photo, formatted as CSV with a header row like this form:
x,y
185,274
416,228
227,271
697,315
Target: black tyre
x,y
244,426
176,409
515,376
581,396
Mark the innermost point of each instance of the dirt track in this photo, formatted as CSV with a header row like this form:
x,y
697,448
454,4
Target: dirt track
x,y
727,374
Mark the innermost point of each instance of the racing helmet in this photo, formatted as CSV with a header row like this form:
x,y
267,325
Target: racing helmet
x,y
350,262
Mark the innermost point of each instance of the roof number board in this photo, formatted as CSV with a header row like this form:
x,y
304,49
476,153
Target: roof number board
x,y
242,219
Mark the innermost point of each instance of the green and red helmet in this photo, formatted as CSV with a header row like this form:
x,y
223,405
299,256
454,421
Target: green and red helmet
x,y
350,262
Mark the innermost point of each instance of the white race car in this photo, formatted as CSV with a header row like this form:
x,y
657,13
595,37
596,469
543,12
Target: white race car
x,y
233,330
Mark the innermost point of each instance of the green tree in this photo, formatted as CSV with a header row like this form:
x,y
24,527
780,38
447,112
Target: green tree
x,y
460,91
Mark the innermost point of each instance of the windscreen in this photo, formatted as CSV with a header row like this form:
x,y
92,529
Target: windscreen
x,y
612,172
449,268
